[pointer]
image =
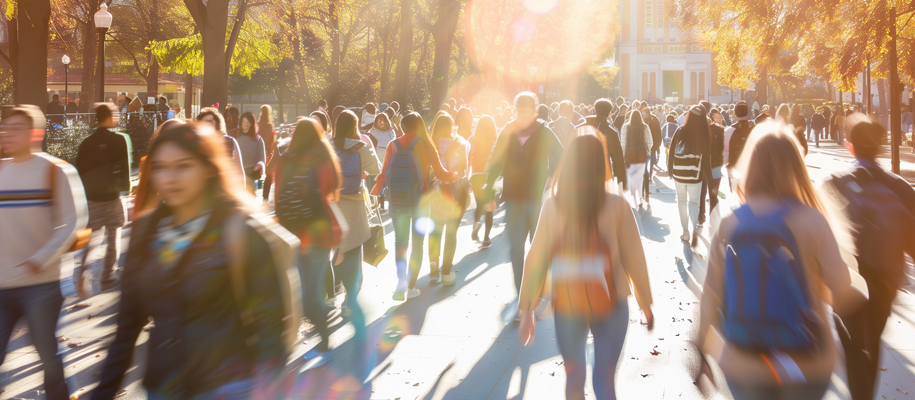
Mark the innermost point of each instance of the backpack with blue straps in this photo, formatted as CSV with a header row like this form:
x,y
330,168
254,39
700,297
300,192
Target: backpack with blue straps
x,y
404,178
766,303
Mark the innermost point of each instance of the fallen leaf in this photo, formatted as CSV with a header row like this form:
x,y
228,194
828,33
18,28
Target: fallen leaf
x,y
120,393
73,345
62,339
882,369
655,352
416,384
75,307
645,375
552,374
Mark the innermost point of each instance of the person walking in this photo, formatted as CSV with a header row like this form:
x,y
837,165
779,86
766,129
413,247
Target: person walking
x,y
667,132
308,184
601,121
42,206
636,136
563,126
654,125
817,123
211,116
103,163
356,161
253,151
383,133
799,124
716,157
735,139
404,178
774,349
482,143
527,154
211,274
689,165
588,242
267,131
827,127
880,209
463,123
451,200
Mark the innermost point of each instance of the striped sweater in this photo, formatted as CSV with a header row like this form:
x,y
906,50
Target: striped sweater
x,y
33,226
689,160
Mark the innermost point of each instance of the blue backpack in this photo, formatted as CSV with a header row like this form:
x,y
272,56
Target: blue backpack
x,y
351,169
766,301
404,179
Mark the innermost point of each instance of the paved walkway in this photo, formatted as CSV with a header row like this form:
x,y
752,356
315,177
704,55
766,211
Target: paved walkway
x,y
459,342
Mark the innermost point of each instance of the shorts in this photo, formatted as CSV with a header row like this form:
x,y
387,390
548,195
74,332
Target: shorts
x,y
107,214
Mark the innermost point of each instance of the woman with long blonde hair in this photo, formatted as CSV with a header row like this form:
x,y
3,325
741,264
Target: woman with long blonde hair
x,y
778,241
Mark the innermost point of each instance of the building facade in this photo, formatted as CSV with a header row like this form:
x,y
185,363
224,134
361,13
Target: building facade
x,y
657,62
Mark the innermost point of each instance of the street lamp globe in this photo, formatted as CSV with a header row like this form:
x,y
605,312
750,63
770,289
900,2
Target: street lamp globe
x,y
65,59
103,17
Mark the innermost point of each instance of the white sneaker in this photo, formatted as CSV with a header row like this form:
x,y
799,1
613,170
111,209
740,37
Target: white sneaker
x,y
413,293
450,279
518,315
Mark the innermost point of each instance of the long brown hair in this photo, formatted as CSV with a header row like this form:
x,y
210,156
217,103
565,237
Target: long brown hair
x,y
252,132
346,127
204,144
442,126
771,165
580,188
309,144
265,120
484,136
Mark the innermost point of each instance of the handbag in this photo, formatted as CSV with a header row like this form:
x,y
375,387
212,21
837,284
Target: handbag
x,y
373,250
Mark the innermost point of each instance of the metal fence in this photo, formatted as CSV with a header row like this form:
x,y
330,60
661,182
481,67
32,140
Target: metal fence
x,y
64,133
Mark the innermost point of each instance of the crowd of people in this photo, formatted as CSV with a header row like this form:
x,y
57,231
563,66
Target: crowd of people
x,y
227,279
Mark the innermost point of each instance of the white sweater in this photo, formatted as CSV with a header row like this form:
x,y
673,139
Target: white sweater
x,y
32,227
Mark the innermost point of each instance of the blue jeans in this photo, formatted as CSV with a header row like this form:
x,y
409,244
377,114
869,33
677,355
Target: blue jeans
x,y
609,336
314,262
350,270
520,223
810,391
404,221
40,306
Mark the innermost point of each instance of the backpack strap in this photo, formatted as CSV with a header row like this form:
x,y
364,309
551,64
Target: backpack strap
x,y
235,244
412,145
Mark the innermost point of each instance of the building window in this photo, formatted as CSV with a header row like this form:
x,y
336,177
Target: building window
x,y
673,24
661,14
696,48
648,15
653,49
676,49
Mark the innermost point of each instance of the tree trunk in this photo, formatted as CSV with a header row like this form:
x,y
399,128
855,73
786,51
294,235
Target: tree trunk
x,y
13,27
443,31
215,69
333,95
762,87
884,99
32,79
297,56
90,47
152,77
188,95
405,50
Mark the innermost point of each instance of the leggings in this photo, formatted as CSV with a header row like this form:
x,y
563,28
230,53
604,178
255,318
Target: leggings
x,y
712,190
447,228
478,212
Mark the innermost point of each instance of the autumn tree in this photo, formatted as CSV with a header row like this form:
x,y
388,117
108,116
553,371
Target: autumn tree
x,y
28,28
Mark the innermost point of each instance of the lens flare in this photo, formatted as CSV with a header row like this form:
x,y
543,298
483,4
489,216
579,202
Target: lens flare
x,y
424,225
540,6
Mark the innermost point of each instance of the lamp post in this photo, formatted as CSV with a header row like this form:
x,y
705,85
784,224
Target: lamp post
x,y
66,61
102,23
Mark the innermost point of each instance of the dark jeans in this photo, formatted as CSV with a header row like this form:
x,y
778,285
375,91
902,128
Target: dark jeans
x,y
405,231
478,212
448,228
862,344
350,272
40,306
649,173
520,223
710,189
314,262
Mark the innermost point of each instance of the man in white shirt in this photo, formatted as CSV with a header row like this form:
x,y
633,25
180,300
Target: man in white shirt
x,y
42,206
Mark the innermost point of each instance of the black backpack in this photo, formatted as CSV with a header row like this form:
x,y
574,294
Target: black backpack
x,y
298,203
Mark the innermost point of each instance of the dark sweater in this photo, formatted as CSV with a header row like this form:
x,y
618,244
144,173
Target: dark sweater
x,y
717,144
104,165
526,168
614,147
655,126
